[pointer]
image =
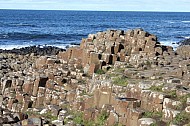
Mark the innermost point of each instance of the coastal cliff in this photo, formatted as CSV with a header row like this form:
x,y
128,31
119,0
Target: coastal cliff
x,y
113,78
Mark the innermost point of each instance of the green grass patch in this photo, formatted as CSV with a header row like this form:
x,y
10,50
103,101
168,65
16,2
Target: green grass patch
x,y
182,118
183,99
119,70
149,114
31,113
172,93
156,88
120,81
78,118
102,118
100,71
100,121
113,74
49,116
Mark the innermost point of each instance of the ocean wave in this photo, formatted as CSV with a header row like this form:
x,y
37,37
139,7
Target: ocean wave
x,y
67,42
35,36
22,24
173,27
103,26
9,47
63,46
4,36
169,21
170,43
23,36
185,21
183,37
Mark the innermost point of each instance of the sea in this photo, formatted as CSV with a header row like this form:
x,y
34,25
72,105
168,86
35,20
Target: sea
x,y
22,28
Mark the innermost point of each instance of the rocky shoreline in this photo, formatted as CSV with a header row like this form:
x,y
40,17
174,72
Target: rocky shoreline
x,y
185,42
35,50
113,78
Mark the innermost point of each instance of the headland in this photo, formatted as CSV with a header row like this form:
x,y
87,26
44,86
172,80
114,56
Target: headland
x,y
113,78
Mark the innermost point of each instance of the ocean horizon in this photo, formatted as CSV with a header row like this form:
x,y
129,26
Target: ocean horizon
x,y
98,10
61,28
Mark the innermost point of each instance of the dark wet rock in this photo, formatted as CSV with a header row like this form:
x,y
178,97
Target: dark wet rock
x,y
9,118
185,42
36,50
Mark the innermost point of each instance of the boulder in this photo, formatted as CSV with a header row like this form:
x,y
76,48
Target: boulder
x,y
146,122
169,114
41,62
32,121
113,119
183,51
57,122
169,103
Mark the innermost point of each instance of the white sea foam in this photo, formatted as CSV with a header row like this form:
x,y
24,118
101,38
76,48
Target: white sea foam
x,y
184,37
22,24
59,46
64,46
185,21
187,37
170,43
9,47
171,22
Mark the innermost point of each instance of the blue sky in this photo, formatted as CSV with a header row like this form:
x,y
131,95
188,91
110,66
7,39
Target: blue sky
x,y
103,5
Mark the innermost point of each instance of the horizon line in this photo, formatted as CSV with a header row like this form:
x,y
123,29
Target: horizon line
x,y
98,10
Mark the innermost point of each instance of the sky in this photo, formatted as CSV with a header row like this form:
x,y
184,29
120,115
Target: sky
x,y
99,5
